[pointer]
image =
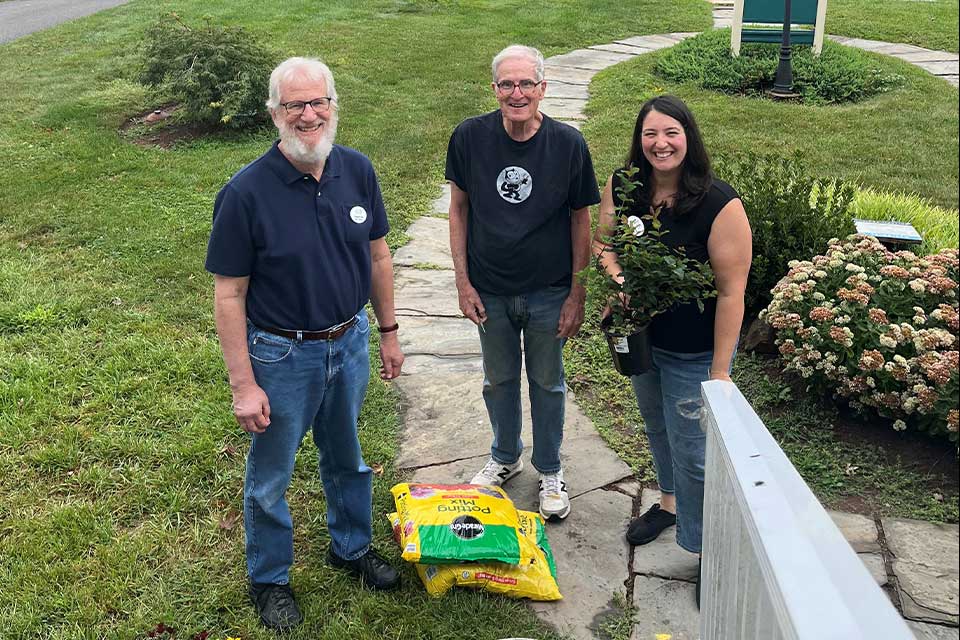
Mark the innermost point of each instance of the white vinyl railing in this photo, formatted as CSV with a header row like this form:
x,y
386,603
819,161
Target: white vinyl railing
x,y
774,564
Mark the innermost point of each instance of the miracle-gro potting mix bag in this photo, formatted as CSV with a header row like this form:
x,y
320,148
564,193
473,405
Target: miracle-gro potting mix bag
x,y
536,580
457,523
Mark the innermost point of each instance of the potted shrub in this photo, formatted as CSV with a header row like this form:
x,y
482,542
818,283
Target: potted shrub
x,y
655,277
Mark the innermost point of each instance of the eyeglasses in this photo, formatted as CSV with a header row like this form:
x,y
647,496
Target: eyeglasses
x,y
527,87
296,107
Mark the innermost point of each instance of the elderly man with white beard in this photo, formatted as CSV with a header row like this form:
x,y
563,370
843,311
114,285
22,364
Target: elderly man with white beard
x,y
297,248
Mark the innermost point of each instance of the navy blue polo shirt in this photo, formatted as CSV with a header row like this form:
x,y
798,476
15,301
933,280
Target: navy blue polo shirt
x,y
305,245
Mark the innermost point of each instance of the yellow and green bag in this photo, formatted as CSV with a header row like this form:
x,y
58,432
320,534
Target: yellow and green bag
x,y
457,523
535,579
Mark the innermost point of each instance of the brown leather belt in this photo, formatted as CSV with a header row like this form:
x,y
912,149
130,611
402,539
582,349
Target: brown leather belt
x,y
328,334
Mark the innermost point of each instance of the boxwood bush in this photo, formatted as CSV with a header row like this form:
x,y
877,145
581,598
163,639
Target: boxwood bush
x,y
218,74
876,328
792,214
839,74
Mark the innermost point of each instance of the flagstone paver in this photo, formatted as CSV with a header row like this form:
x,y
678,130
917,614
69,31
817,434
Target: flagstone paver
x,y
665,609
925,560
563,108
595,537
860,531
621,48
433,335
926,631
591,59
565,90
447,434
663,558
429,244
420,292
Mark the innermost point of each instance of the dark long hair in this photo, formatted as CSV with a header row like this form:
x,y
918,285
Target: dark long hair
x,y
696,177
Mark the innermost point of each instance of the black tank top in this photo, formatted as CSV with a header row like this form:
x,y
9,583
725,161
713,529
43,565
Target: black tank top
x,y
683,328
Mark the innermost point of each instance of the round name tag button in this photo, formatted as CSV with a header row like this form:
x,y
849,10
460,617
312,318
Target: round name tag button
x,y
358,215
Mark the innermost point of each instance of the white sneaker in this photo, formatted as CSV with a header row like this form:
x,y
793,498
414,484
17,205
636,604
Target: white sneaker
x,y
554,501
494,473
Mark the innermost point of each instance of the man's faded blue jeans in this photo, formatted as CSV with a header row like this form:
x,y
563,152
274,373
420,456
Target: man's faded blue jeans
x,y
534,317
318,385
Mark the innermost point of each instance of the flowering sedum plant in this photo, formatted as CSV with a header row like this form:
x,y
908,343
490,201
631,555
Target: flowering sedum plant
x,y
877,328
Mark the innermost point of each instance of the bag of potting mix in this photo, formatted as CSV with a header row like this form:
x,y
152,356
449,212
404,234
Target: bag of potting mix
x,y
444,524
535,579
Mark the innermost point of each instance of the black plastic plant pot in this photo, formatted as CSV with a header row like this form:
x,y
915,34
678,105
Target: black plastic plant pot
x,y
632,354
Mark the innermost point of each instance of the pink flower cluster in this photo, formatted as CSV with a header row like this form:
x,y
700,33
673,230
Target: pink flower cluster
x,y
877,328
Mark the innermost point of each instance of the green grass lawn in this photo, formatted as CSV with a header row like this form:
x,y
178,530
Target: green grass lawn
x,y
931,24
902,141
120,464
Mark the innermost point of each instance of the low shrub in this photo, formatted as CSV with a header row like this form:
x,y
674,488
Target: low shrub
x,y
877,328
791,214
219,75
937,226
839,74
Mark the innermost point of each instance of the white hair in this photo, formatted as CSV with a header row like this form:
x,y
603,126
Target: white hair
x,y
519,51
309,68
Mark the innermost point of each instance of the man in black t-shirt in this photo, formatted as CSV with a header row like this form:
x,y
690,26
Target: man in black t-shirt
x,y
521,188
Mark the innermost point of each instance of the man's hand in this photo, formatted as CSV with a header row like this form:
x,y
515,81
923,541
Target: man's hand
x,y
470,303
251,408
390,356
571,313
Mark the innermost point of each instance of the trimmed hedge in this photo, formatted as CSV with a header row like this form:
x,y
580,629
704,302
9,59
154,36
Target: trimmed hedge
x,y
840,74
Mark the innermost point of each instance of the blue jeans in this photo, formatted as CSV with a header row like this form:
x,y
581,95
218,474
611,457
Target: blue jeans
x,y
535,316
669,400
318,384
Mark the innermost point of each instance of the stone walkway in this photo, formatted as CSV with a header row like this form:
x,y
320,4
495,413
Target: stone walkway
x,y
447,438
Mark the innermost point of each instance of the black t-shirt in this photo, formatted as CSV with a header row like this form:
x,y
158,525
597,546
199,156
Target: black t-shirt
x,y
521,195
683,328
304,245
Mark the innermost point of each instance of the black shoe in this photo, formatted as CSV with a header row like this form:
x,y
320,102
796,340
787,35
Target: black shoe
x,y
275,606
371,568
647,527
699,574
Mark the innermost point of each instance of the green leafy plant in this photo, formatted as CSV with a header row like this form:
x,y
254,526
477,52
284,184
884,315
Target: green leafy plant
x,y
218,74
839,74
792,214
877,328
655,276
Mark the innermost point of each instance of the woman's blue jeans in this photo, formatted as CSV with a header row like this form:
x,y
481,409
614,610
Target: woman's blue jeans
x,y
318,385
534,316
669,400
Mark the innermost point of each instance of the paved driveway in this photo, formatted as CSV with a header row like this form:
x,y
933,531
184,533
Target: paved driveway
x,y
20,17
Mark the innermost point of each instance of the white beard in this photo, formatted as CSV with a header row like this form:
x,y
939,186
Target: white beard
x,y
299,151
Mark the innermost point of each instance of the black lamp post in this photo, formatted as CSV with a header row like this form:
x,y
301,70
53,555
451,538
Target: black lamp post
x,y
783,81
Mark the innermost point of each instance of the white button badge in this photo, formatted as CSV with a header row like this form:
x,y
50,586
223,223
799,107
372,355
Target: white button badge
x,y
636,224
358,215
